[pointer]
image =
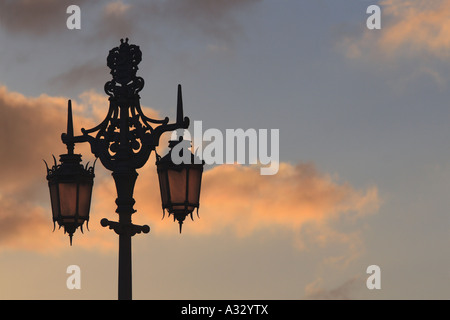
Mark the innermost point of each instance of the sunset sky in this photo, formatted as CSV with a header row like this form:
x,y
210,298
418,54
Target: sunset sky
x,y
364,123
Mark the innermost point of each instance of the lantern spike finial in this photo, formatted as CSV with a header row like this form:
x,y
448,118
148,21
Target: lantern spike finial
x,y
69,119
179,106
181,224
70,145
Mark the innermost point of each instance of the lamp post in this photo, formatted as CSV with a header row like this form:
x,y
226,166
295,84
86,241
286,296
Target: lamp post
x,y
123,142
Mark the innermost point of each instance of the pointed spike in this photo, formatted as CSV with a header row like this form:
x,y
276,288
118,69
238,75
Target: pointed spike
x,y
181,224
70,146
93,165
54,159
69,119
70,236
180,115
46,165
191,216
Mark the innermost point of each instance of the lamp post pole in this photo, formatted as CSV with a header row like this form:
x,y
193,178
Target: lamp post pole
x,y
123,142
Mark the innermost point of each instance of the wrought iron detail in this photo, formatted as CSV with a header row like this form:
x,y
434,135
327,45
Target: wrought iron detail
x,y
126,135
123,62
124,140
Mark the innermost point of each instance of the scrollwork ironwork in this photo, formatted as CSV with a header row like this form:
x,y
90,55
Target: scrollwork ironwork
x,y
126,137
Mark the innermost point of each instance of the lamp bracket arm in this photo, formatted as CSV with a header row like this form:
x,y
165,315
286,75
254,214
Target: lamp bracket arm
x,y
124,228
158,131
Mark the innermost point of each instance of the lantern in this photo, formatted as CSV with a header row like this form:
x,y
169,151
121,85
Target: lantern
x,y
180,182
70,187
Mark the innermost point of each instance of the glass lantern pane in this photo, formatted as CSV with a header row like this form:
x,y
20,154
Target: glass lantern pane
x,y
177,185
195,176
163,187
84,199
54,199
68,198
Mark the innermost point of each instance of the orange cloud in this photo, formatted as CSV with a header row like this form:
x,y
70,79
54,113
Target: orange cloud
x,y
409,28
23,225
418,26
239,200
296,195
235,199
30,131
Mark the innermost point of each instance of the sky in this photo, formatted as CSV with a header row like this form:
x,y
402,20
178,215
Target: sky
x,y
364,157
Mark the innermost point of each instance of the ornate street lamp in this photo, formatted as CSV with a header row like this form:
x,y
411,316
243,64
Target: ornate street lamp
x,y
123,142
70,187
179,182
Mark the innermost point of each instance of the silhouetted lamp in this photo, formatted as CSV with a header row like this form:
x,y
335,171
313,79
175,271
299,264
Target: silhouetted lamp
x,y
180,183
123,142
70,187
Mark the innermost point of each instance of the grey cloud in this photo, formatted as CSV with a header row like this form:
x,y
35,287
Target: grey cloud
x,y
211,18
120,19
91,74
34,17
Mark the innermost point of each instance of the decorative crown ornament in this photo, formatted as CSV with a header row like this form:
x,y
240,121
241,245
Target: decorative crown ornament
x,y
123,62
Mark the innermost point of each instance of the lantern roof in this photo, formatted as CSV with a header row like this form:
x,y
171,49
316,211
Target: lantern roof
x,y
177,149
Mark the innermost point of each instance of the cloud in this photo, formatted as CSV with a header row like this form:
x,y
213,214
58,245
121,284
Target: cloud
x,y
314,208
30,131
35,18
117,20
86,75
421,27
120,19
159,19
296,195
149,21
22,225
345,291
413,28
211,18
28,126
235,199
238,201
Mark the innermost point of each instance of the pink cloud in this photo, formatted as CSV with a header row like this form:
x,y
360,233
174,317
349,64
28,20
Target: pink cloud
x,y
409,29
235,199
